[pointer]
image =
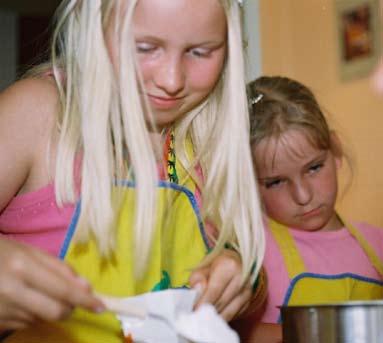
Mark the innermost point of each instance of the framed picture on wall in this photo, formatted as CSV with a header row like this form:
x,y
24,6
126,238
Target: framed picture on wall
x,y
358,25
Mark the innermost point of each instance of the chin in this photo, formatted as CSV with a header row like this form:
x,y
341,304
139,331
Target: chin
x,y
166,121
310,225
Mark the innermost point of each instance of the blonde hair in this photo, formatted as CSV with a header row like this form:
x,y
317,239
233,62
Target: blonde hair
x,y
279,103
107,127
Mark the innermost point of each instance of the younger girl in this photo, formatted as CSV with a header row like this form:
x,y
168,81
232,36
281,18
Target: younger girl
x,y
313,255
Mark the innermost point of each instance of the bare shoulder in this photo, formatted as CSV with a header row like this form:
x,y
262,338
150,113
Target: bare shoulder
x,y
29,97
28,111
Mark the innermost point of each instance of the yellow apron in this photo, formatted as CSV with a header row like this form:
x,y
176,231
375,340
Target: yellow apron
x,y
179,246
310,288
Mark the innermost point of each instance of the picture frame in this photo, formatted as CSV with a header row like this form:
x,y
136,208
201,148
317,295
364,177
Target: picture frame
x,y
359,37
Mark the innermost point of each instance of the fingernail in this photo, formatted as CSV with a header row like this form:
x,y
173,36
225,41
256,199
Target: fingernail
x,y
199,288
99,310
83,281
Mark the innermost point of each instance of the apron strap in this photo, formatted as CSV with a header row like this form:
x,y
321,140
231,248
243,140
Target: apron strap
x,y
374,259
293,260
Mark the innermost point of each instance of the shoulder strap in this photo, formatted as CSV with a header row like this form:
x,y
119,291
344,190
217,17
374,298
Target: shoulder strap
x,y
293,260
373,257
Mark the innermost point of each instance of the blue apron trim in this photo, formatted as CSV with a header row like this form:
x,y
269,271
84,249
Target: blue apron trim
x,y
131,184
327,277
71,230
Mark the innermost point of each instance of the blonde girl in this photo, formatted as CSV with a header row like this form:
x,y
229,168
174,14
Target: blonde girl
x,y
132,86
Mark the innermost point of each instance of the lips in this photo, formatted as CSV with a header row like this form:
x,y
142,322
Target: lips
x,y
166,103
311,213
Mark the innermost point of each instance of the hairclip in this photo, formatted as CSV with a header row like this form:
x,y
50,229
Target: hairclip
x,y
257,99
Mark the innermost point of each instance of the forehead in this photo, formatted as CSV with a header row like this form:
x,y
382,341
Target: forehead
x,y
191,19
291,147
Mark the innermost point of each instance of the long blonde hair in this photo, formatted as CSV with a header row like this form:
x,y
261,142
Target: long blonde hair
x,y
102,117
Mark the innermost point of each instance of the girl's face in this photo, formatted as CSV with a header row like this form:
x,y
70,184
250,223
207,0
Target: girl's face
x,y
298,182
181,47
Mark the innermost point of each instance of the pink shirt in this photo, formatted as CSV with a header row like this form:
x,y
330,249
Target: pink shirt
x,y
324,252
34,218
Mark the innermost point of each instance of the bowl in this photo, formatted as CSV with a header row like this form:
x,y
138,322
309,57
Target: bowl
x,y
346,322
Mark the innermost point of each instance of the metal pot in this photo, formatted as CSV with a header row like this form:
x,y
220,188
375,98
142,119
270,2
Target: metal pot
x,y
348,322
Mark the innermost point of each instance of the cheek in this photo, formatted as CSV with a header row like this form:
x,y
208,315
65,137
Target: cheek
x,y
275,203
146,68
327,182
328,186
203,76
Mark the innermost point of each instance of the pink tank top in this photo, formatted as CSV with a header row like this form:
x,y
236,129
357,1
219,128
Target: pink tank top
x,y
34,218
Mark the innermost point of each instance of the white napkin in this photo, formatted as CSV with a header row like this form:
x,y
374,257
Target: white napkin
x,y
171,320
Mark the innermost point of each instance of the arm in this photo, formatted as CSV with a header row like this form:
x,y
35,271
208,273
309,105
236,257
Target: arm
x,y
34,286
258,332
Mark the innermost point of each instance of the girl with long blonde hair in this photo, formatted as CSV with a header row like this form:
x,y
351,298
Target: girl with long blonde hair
x,y
135,166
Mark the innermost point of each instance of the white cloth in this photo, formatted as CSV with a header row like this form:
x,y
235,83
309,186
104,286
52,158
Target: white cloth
x,y
170,319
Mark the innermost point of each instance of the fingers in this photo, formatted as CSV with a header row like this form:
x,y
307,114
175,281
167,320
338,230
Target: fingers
x,y
215,287
61,281
36,286
15,318
222,285
199,277
228,294
32,305
238,305
198,281
14,325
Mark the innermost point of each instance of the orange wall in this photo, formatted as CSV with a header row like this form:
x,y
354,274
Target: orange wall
x,y
299,40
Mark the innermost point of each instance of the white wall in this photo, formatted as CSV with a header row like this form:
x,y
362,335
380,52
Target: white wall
x,y
9,47
253,37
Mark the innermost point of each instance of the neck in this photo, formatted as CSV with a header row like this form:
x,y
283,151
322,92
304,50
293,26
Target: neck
x,y
158,139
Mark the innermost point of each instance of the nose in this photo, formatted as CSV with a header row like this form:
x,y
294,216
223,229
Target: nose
x,y
301,192
170,76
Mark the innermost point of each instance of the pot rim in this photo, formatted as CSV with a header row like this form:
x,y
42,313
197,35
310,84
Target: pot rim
x,y
359,303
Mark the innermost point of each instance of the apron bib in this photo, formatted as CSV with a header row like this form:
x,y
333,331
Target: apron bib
x,y
311,288
179,245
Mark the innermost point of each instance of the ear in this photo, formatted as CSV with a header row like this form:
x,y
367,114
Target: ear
x,y
336,148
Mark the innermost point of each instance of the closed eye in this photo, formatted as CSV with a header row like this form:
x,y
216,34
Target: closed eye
x,y
145,48
272,183
315,167
200,52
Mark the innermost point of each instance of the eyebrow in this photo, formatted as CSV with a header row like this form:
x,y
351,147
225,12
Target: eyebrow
x,y
217,42
268,179
321,156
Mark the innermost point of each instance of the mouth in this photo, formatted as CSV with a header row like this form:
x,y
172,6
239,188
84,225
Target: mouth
x,y
311,213
160,102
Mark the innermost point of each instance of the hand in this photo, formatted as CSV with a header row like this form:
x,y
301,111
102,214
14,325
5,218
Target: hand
x,y
35,286
221,284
